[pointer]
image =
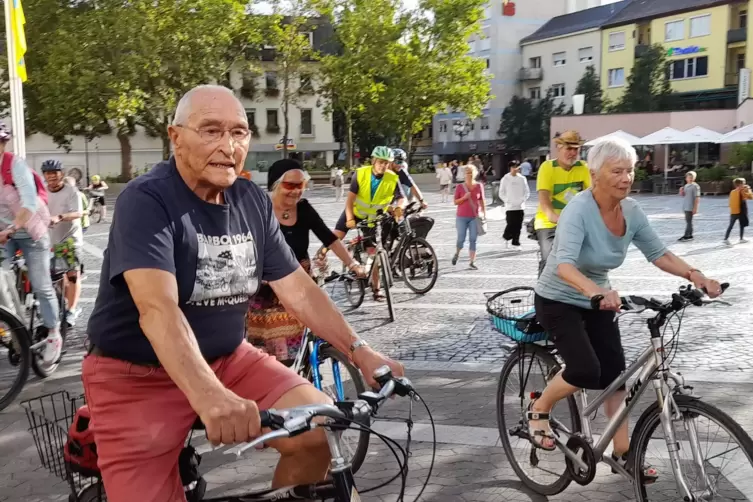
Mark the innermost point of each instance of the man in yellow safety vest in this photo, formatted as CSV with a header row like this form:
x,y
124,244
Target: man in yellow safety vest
x,y
373,188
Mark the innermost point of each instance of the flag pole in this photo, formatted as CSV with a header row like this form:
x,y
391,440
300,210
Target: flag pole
x,y
15,88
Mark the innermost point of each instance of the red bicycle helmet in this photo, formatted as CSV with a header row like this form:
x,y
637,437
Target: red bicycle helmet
x,y
80,452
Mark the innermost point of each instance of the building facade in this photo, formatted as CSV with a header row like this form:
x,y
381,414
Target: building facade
x,y
556,55
705,43
504,25
310,128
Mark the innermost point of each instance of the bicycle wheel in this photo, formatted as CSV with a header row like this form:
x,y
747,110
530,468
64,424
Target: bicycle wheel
x,y
419,266
355,291
544,472
708,424
384,271
93,493
96,214
356,443
14,357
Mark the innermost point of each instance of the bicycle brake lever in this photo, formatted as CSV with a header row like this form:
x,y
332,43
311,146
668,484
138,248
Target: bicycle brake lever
x,y
238,450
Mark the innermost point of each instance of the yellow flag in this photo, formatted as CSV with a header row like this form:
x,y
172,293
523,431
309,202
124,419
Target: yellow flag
x,y
17,22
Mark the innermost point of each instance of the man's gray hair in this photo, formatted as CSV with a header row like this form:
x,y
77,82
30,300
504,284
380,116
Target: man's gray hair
x,y
611,149
183,110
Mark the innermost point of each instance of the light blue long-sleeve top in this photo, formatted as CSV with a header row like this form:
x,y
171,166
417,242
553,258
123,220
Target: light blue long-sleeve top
x,y
27,192
583,240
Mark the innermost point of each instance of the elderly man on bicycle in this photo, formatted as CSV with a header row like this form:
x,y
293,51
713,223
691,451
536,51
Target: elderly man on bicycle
x,y
190,242
373,188
595,230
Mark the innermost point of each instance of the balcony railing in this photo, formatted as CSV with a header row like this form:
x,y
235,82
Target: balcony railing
x,y
737,35
531,74
731,79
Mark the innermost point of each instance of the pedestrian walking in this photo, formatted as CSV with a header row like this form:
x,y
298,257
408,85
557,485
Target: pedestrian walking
x,y
469,199
691,194
526,169
738,208
514,192
444,175
338,182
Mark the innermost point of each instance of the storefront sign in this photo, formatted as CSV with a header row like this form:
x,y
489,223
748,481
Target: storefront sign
x,y
743,91
291,144
681,51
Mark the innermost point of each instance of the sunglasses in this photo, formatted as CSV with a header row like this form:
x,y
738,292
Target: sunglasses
x,y
291,185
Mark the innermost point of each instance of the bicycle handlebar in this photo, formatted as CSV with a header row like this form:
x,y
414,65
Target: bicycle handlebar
x,y
293,421
688,295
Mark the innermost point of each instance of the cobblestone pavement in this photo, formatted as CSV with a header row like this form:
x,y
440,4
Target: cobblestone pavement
x,y
454,356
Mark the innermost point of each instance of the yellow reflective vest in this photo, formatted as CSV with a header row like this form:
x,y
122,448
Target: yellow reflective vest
x,y
366,207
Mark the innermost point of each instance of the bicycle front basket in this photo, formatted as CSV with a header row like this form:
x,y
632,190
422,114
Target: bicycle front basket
x,y
513,315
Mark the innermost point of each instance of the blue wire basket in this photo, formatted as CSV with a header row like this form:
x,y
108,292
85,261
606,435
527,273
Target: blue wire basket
x,y
513,314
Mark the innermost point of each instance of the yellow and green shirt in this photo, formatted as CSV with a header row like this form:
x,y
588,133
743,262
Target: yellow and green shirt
x,y
562,186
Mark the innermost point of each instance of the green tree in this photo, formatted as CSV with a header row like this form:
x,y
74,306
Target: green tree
x,y
367,36
526,123
590,86
293,56
648,87
430,71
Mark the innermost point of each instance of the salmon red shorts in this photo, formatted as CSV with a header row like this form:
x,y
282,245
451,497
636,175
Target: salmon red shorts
x,y
141,419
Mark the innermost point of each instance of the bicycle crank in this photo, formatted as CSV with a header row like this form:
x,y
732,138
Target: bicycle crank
x,y
580,448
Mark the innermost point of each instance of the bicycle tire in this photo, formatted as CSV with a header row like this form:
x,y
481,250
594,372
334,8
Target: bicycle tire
x,y
405,262
97,208
385,272
93,493
355,298
21,339
649,420
363,440
538,352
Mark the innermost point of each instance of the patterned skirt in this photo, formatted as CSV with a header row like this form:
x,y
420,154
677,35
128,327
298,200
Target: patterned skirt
x,y
270,327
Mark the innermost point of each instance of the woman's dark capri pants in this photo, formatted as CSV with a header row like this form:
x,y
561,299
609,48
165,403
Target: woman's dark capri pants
x,y
588,341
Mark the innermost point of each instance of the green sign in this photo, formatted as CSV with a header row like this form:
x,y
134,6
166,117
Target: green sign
x,y
681,51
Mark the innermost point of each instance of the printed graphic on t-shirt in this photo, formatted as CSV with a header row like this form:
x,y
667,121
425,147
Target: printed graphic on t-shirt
x,y
564,193
225,270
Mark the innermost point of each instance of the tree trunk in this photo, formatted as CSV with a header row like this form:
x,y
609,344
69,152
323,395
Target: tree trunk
x,y
349,140
126,168
410,148
285,110
165,139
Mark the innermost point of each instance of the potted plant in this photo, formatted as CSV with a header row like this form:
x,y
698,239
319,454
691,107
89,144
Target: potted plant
x,y
641,182
713,180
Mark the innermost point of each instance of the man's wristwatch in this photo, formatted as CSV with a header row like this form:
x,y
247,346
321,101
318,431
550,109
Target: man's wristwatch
x,y
357,344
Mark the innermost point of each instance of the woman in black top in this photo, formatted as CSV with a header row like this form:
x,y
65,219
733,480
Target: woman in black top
x,y
269,326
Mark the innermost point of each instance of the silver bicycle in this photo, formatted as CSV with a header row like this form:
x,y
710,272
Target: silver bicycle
x,y
678,434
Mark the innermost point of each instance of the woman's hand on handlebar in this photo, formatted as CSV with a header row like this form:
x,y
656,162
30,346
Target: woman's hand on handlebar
x,y
609,300
709,286
358,269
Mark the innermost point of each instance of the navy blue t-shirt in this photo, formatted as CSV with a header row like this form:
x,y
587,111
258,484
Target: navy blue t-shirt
x,y
219,254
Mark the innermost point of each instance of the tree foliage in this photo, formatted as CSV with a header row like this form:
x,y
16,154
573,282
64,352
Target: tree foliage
x,y
590,86
648,87
525,122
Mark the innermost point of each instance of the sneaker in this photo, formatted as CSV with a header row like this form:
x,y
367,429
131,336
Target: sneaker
x,y
472,266
507,244
71,316
727,242
52,348
743,241
455,259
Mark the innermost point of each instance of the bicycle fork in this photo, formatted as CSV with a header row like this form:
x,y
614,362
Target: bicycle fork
x,y
670,413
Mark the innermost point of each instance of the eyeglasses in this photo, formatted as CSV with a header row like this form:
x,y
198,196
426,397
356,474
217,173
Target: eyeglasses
x,y
291,185
212,134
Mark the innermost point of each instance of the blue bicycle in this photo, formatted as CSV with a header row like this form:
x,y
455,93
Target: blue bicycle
x,y
323,365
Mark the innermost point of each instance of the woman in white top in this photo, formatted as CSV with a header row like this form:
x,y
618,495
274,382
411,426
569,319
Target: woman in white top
x,y
444,175
514,192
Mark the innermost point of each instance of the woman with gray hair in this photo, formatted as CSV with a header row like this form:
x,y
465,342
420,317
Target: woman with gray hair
x,y
268,325
594,232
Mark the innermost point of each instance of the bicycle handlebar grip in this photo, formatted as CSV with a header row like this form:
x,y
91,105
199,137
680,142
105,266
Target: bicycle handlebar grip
x,y
596,301
724,286
266,419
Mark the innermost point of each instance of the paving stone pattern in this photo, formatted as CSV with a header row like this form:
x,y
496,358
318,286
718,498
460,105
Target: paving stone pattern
x,y
450,324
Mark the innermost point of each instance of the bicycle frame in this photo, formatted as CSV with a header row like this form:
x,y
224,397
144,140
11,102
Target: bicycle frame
x,y
308,354
648,363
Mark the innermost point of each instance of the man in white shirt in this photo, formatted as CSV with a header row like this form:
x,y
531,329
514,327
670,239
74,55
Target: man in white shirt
x,y
66,235
514,192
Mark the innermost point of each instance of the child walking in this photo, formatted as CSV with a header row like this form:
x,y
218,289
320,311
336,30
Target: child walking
x,y
738,208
